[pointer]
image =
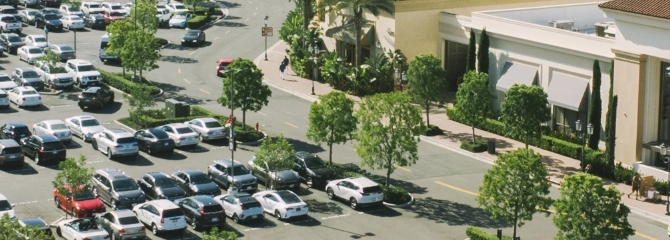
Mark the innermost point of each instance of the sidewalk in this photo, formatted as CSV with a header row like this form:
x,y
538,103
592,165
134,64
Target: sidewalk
x,y
558,165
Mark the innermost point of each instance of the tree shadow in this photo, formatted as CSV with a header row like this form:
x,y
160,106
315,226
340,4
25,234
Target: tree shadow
x,y
182,98
177,59
353,234
300,145
73,145
324,207
174,156
108,109
453,213
557,168
259,224
9,110
187,234
40,108
303,221
225,23
193,149
229,17
167,87
230,5
460,137
72,96
380,211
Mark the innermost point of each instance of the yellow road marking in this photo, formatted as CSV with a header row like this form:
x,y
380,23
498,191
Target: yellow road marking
x,y
403,168
179,70
291,125
204,91
227,32
261,113
191,53
216,38
187,81
642,235
246,20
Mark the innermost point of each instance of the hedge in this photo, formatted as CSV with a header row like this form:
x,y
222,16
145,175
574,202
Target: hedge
x,y
433,130
205,10
197,22
479,146
395,194
117,81
475,233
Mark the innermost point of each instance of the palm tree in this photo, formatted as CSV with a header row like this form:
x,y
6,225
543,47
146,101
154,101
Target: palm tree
x,y
357,21
307,11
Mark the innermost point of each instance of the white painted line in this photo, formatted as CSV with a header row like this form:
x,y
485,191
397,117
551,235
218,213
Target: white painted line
x,y
58,220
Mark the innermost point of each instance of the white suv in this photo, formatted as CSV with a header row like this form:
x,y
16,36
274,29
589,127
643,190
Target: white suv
x,y
115,142
359,191
161,215
240,206
83,72
92,8
6,207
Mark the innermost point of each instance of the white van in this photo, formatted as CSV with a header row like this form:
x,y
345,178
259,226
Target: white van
x,y
104,41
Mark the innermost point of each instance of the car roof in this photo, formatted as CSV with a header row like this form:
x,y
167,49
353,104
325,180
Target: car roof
x,y
164,204
123,213
113,173
192,171
120,132
158,175
2,197
205,200
77,61
83,117
226,162
208,119
225,60
9,34
26,69
9,143
244,198
194,30
53,121
154,130
16,124
362,181
176,125
47,137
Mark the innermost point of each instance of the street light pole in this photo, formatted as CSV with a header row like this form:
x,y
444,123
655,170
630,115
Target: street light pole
x,y
315,56
265,21
583,136
231,142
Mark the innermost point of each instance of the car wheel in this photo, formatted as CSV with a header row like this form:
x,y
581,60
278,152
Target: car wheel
x,y
277,214
236,218
114,205
84,137
58,232
95,191
200,137
101,105
149,151
194,224
309,182
37,158
77,83
353,203
113,236
331,194
111,99
94,144
154,229
109,153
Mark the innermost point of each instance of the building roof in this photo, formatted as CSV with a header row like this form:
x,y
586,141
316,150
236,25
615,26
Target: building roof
x,y
654,8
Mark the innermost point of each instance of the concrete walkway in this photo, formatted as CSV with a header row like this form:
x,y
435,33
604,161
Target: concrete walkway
x,y
558,165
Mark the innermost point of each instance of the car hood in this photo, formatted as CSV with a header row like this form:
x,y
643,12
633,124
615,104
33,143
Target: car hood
x,y
7,85
89,204
286,175
188,38
54,22
17,43
90,73
207,187
171,191
245,178
323,171
93,129
62,75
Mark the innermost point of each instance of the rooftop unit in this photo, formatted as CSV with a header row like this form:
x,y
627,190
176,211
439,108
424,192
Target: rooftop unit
x,y
605,29
562,24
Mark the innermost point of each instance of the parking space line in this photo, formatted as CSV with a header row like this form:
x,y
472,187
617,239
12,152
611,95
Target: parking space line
x,y
187,81
204,91
216,38
291,125
261,113
246,20
179,70
250,2
255,12
191,53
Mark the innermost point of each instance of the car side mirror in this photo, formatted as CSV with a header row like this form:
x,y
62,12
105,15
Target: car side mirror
x,y
13,205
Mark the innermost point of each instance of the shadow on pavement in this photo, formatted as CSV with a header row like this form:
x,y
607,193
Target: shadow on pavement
x,y
454,214
230,4
182,98
108,109
177,59
167,87
9,110
139,161
174,156
73,145
324,207
304,221
40,108
299,145
353,234
25,169
229,24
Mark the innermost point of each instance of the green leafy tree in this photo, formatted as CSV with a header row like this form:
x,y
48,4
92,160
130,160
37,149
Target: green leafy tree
x,y
587,209
427,83
610,121
139,100
73,177
249,92
292,26
483,53
11,229
473,99
274,155
331,120
143,16
140,52
388,135
52,61
215,234
307,11
353,13
471,64
514,188
596,109
118,35
193,2
524,110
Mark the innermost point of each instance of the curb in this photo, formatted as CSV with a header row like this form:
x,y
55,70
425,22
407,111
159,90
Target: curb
x,y
402,205
457,150
51,93
254,143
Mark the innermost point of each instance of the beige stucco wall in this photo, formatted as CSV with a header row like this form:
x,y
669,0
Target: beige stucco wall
x,y
629,80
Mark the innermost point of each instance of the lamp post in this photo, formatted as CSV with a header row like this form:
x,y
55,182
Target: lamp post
x,y
664,150
231,141
589,131
315,56
265,21
402,79
338,63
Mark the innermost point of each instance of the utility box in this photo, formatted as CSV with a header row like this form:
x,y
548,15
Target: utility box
x,y
175,109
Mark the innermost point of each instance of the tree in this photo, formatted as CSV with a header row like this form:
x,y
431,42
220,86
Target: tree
x,y
524,110
52,60
249,92
215,234
75,3
610,121
11,229
193,2
483,53
346,8
388,135
143,16
471,64
118,34
274,155
307,11
140,52
515,188
331,120
587,209
427,83
73,177
474,99
596,109
139,100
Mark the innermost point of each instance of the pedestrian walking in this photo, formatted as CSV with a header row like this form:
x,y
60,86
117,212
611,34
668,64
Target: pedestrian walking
x,y
285,61
636,186
282,68
588,168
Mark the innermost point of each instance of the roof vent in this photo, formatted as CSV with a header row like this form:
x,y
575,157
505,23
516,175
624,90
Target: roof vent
x,y
562,24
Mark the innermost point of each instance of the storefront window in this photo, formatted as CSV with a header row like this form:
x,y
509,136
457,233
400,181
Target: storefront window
x,y
664,123
565,119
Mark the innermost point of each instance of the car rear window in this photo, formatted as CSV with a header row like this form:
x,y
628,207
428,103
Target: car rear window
x,y
14,39
34,50
213,208
2,95
175,212
160,134
29,92
88,94
11,150
8,19
68,48
128,220
184,130
50,146
212,124
5,79
93,6
58,126
126,140
51,17
251,205
373,189
288,197
20,129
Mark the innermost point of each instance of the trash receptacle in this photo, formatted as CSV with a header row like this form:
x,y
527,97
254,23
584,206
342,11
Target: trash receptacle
x,y
492,146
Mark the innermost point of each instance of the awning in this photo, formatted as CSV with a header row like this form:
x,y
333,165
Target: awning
x,y
567,91
348,34
516,73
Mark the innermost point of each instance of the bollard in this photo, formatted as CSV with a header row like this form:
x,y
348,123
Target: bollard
x,y
256,127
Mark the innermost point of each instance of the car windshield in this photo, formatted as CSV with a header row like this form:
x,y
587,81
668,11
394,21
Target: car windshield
x,y
116,7
58,126
128,220
86,68
125,185
288,197
90,123
179,16
165,182
74,9
200,179
67,48
51,17
30,74
184,130
14,38
5,206
34,50
94,6
11,150
5,79
40,39
192,33
19,129
116,14
84,195
52,146
9,11
179,7
239,170
314,162
158,133
213,125
29,92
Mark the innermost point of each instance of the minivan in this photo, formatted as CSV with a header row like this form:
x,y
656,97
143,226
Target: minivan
x,y
10,153
161,215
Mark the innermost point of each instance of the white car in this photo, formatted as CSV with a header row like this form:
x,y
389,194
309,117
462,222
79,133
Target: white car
x,y
115,142
121,224
283,204
84,126
240,206
161,215
81,228
24,96
175,7
358,191
207,128
114,7
39,41
28,16
6,82
6,207
128,7
54,127
161,5
72,22
181,134
29,54
67,10
92,8
180,20
54,78
4,101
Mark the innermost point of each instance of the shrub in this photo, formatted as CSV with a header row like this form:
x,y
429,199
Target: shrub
x,y
493,126
197,22
247,135
599,165
475,233
160,41
433,130
566,148
454,115
479,145
395,194
623,174
117,81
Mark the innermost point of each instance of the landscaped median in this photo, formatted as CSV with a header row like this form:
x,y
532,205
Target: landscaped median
x,y
124,84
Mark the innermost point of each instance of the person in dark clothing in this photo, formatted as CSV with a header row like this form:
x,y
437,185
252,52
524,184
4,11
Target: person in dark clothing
x,y
285,61
282,68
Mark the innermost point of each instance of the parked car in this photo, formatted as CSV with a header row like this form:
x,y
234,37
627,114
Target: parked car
x,y
48,20
39,41
84,126
207,128
179,20
220,171
97,96
221,66
181,134
193,37
158,185
27,77
83,72
29,3
161,5
202,211
15,131
195,182
51,10
37,224
161,215
56,78
10,153
30,54
128,7
56,128
114,7
50,3
92,8
115,143
116,188
6,9
241,207
80,228
66,52
163,16
283,204
6,207
312,169
83,204
11,42
43,148
94,21
4,100
67,10
358,191
154,140
121,224
175,7
113,15
10,23
283,179
72,22
28,15
24,97
6,82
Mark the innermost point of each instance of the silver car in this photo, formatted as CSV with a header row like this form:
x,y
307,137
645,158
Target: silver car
x,y
84,126
54,127
28,16
57,77
29,54
207,128
66,52
36,41
116,143
121,224
181,134
6,82
240,206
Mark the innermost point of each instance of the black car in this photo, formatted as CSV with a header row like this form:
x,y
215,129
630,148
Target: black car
x,y
94,21
49,21
202,211
312,169
154,140
50,3
158,185
281,179
43,148
11,42
193,37
95,97
14,130
195,182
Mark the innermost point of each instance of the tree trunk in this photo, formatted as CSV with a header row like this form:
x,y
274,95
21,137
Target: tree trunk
x,y
473,134
525,141
427,113
358,22
388,172
516,219
244,120
330,147
306,13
